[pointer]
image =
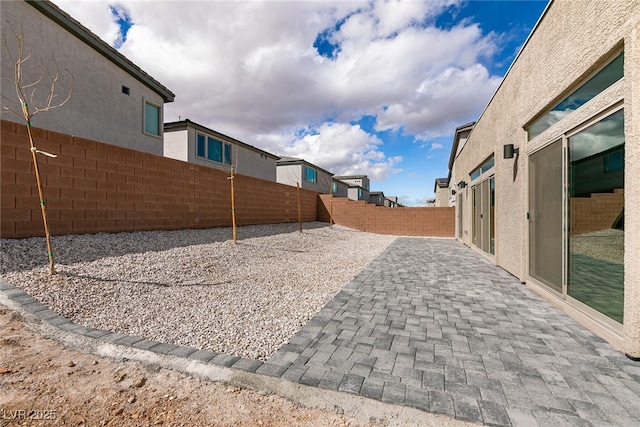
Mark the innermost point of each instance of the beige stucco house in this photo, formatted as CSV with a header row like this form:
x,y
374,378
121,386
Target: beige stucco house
x,y
545,174
460,137
190,142
112,99
441,191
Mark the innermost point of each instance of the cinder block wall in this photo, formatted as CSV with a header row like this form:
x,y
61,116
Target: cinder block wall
x,y
598,212
431,222
94,187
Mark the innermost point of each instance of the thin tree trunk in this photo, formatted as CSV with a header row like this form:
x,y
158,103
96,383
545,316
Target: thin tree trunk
x,y
43,205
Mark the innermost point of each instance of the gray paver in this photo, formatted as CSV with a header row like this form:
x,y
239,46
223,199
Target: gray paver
x,y
182,351
467,409
372,388
127,340
202,355
464,338
441,402
293,373
351,383
164,348
393,392
144,344
331,380
247,365
493,413
222,359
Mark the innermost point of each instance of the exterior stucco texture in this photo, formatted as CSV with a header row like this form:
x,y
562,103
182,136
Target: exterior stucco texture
x,y
571,42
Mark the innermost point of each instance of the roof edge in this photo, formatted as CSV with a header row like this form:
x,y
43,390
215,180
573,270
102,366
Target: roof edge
x,y
183,124
60,17
303,161
524,45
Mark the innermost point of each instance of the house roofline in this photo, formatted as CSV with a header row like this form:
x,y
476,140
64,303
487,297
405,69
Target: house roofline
x,y
296,161
351,176
184,124
441,182
456,141
533,30
81,32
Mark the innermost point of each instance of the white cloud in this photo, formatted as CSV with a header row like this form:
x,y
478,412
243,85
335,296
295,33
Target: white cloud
x,y
250,70
344,149
94,15
436,146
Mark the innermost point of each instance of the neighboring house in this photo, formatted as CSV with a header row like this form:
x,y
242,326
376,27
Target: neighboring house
x,y
355,180
194,143
294,171
393,201
358,186
339,188
112,100
377,198
357,193
459,139
441,190
544,177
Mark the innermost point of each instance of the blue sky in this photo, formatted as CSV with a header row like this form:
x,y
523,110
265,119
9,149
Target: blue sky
x,y
372,87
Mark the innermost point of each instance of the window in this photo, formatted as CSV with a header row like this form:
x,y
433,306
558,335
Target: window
x,y
610,74
125,90
211,149
334,187
152,118
310,174
576,217
487,165
227,154
359,192
200,151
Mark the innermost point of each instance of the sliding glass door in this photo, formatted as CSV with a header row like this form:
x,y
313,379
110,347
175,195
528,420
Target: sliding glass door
x,y
545,216
576,216
483,221
596,216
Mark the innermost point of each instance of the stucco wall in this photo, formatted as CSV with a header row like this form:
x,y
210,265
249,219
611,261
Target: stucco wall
x,y
176,146
442,197
572,41
290,174
255,164
97,108
181,145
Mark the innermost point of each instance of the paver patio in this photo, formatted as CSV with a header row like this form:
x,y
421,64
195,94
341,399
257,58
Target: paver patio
x,y
432,324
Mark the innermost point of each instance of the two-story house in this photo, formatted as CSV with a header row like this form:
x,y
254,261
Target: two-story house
x,y
294,171
112,99
358,186
194,143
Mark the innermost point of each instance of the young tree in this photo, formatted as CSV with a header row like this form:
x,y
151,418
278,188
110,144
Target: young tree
x,y
33,101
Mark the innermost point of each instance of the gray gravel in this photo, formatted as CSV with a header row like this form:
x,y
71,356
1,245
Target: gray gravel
x,y
195,287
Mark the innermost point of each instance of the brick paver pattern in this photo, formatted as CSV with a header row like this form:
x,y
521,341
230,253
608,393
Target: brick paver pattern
x,y
433,325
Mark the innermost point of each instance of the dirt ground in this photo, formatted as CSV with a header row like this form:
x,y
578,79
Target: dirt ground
x,y
43,383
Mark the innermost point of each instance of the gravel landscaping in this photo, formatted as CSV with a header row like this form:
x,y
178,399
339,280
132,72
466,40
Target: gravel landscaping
x,y
195,287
